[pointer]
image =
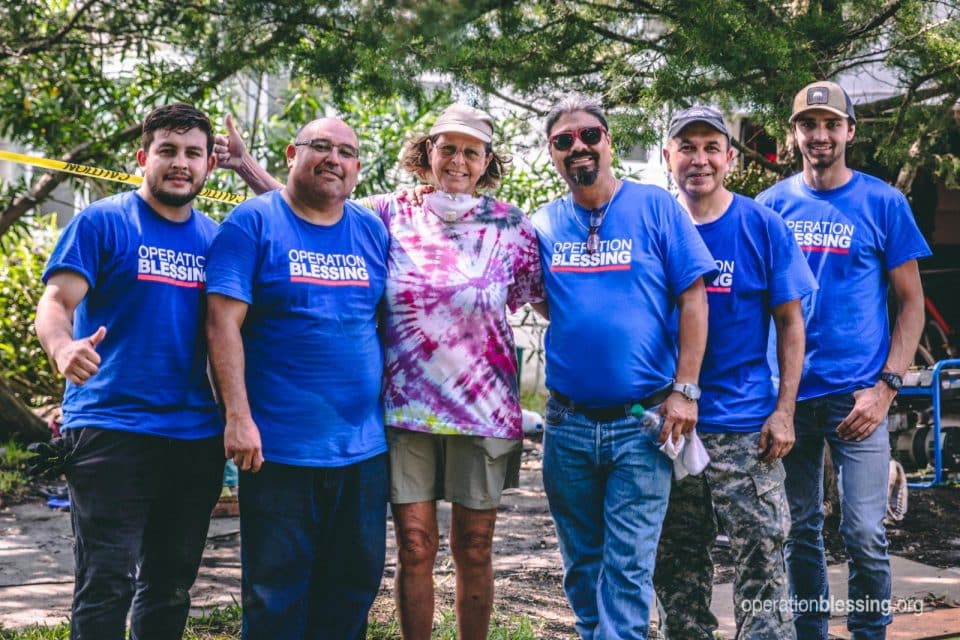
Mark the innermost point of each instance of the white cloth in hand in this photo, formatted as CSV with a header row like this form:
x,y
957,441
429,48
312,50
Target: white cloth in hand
x,y
689,455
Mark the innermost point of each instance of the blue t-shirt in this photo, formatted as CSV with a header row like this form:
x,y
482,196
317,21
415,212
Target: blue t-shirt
x,y
852,237
314,360
760,268
609,339
146,278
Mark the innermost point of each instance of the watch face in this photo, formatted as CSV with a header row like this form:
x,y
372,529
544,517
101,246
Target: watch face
x,y
892,380
689,390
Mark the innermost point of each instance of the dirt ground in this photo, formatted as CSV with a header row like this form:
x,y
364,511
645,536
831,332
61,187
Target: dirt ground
x,y
36,562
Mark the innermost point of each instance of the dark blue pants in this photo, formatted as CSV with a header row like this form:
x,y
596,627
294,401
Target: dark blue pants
x,y
312,548
140,508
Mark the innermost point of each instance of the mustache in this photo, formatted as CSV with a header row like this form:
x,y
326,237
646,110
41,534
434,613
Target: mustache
x,y
329,168
573,157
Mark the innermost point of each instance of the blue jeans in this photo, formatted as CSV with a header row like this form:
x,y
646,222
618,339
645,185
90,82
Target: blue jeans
x,y
140,508
313,542
862,469
608,486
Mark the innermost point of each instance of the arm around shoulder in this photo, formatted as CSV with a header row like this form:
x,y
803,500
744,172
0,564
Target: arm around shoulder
x,y
231,153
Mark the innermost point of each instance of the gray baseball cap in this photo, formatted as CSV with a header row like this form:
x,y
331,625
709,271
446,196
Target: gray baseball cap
x,y
698,113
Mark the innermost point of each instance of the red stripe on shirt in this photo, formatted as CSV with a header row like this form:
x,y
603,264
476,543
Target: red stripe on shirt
x,y
331,283
176,283
613,267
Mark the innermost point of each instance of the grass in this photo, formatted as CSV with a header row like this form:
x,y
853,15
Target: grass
x,y
533,400
224,624
15,483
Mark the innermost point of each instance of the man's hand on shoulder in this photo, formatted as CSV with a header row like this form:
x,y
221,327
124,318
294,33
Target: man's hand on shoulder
x,y
78,360
680,416
241,441
870,408
777,436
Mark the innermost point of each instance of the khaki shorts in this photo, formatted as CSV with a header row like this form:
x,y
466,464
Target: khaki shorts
x,y
469,470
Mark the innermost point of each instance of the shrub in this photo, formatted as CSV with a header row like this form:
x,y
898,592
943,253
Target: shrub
x,y
22,360
751,179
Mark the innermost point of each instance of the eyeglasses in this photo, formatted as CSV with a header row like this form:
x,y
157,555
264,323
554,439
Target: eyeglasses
x,y
450,150
589,136
593,231
324,147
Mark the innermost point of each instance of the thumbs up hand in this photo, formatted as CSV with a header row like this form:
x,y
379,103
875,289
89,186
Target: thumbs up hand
x,y
229,148
78,360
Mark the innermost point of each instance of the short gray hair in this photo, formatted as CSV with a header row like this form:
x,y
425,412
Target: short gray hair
x,y
573,104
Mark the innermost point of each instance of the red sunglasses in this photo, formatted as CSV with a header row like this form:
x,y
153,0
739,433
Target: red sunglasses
x,y
589,135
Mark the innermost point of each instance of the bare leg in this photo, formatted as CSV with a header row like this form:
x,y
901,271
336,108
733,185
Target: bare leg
x,y
417,543
471,541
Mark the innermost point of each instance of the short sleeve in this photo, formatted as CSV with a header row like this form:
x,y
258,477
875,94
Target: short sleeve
x,y
527,286
233,257
904,241
383,205
79,248
790,276
687,257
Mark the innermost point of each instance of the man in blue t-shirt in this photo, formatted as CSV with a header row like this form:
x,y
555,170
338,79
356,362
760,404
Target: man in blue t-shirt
x,y
619,259
122,319
295,277
860,238
745,423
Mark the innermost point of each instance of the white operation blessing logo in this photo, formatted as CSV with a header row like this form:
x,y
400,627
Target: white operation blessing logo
x,y
328,269
824,236
169,266
723,283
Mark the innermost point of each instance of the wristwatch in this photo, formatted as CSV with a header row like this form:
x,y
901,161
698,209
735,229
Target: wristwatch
x,y
688,390
892,380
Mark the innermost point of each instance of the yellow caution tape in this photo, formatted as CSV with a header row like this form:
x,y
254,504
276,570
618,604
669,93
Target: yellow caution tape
x,y
105,174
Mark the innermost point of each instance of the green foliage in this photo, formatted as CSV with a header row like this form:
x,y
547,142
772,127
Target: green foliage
x,y
36,632
218,624
15,483
224,624
501,628
384,124
22,360
750,179
75,78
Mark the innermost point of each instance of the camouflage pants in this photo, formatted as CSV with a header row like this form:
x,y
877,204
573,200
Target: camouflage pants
x,y
745,497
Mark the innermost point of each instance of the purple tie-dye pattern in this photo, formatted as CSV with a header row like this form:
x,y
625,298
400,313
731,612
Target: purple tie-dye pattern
x,y
450,358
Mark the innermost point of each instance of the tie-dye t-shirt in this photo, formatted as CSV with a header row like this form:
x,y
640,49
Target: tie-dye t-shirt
x,y
451,365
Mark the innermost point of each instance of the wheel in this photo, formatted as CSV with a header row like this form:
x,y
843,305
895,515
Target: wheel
x,y
936,343
923,357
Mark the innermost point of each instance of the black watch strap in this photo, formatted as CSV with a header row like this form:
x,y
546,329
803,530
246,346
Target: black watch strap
x,y
892,380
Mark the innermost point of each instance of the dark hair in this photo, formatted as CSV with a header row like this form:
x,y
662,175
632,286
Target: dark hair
x,y
178,117
416,160
573,104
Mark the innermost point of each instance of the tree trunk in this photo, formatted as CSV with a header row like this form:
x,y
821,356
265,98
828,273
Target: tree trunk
x,y
17,421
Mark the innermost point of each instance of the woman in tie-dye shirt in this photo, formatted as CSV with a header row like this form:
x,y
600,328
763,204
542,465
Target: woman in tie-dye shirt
x,y
451,393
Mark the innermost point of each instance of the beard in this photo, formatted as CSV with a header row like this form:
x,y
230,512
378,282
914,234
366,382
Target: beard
x,y
822,161
174,199
584,176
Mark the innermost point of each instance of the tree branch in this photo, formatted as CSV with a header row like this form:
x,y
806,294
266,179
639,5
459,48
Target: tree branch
x,y
882,16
